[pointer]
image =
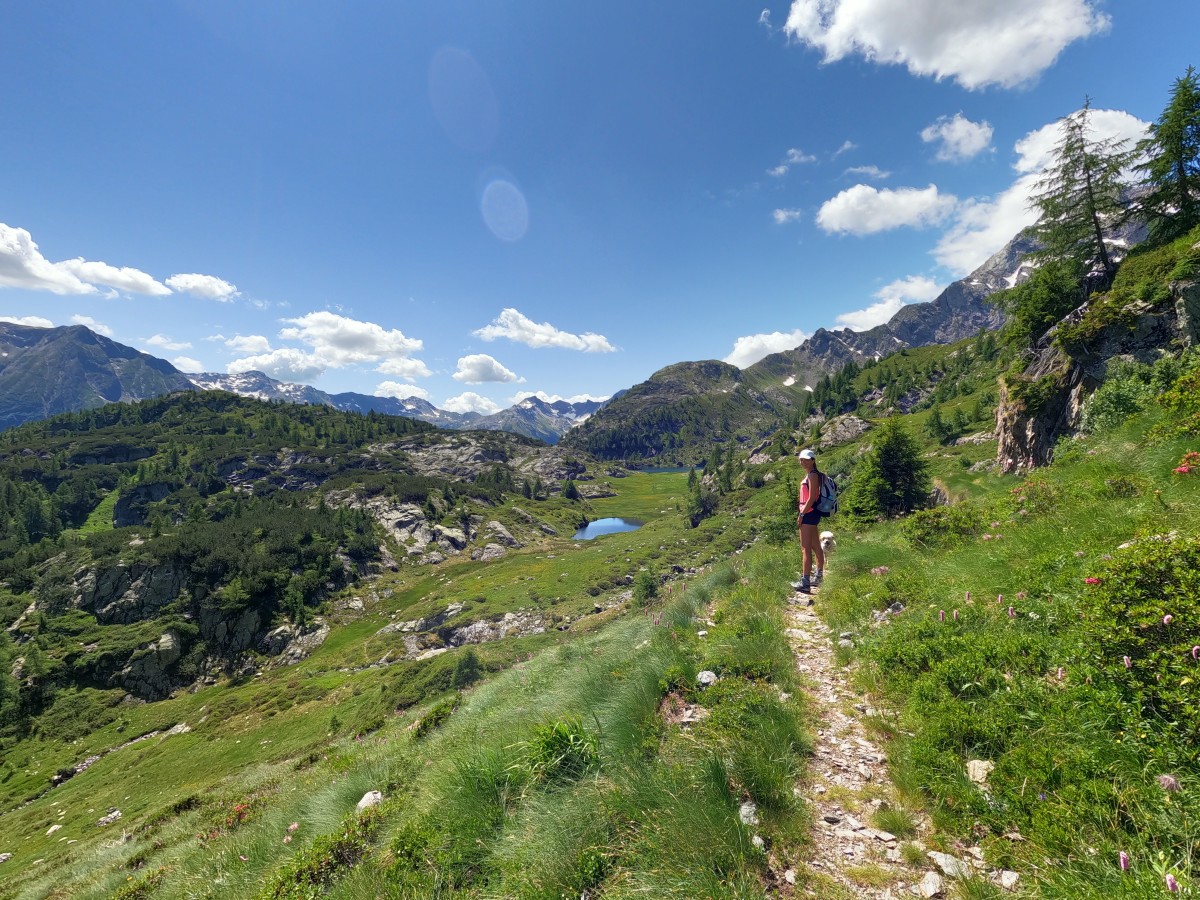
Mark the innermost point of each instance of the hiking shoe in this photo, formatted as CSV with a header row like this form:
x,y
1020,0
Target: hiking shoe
x,y
805,586
818,577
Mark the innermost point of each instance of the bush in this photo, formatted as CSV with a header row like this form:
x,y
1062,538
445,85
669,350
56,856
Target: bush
x,y
563,750
436,716
943,526
1141,610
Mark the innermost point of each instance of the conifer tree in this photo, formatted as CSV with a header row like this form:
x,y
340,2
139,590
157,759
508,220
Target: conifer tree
x,y
1171,169
1078,195
892,479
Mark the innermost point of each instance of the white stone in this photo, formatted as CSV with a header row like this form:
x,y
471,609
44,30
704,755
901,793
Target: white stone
x,y
1008,880
53,828
978,770
931,885
952,866
369,799
748,813
706,678
790,876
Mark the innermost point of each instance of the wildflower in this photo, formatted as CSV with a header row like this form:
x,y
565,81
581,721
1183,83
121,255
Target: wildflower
x,y
1021,595
956,615
287,838
1123,861
1012,613
985,537
293,826
1196,652
1061,672
1168,783
1079,553
1091,580
1041,795
968,596
1167,619
995,525
1172,884
1128,662
941,615
1183,470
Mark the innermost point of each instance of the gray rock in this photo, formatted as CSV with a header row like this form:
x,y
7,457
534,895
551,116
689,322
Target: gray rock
x,y
5,857
113,815
748,813
1008,880
369,799
705,678
931,885
951,866
978,770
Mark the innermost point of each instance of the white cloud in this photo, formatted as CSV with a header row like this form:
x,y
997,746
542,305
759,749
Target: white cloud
x,y
470,402
123,279
983,225
959,137
399,390
88,321
750,349
794,157
187,364
161,340
286,364
23,266
868,172
786,216
846,147
337,341
554,398
764,18
479,368
863,209
30,321
247,343
893,296
974,43
513,325
404,367
207,286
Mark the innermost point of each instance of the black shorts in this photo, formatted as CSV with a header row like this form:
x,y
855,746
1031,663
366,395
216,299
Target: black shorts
x,y
812,517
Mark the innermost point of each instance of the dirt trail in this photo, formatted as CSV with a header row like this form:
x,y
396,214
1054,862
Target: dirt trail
x,y
847,777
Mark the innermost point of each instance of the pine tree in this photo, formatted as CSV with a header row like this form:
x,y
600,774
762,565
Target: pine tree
x,y
892,479
1171,170
1078,195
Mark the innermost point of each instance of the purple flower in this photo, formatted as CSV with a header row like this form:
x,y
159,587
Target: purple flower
x,y
999,599
1168,618
1123,861
956,615
968,596
1196,652
1012,613
1172,884
1061,673
941,615
1168,783
1128,662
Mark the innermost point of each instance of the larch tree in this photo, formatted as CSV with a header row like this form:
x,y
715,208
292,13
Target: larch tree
x,y
1078,195
1171,167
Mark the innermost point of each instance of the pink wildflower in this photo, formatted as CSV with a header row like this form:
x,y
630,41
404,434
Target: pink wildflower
x,y
968,596
1168,783
941,615
1196,652
1183,470
1091,580
1123,861
1012,613
985,537
1168,618
956,615
287,838
1172,884
1128,662
1061,673
293,826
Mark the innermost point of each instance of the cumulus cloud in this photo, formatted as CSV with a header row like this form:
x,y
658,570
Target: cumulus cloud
x,y
983,225
23,266
868,172
470,402
786,216
187,364
209,287
913,289
479,368
125,279
976,44
750,349
285,364
161,340
399,390
30,321
513,325
89,322
246,343
863,209
958,137
404,367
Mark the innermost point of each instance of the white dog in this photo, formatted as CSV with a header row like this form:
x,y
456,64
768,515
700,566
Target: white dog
x,y
828,544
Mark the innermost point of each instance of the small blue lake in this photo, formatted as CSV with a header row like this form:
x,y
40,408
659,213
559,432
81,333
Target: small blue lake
x,y
607,526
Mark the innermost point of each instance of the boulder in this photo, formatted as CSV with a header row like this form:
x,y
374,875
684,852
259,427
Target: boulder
x,y
369,799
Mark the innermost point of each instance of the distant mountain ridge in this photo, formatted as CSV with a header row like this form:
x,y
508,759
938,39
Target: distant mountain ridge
x,y
46,371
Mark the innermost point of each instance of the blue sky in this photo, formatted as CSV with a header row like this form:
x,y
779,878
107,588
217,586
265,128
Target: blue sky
x,y
471,201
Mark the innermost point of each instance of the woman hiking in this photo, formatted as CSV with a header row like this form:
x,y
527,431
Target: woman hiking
x,y
809,521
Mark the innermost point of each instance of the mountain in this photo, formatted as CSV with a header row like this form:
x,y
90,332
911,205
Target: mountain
x,y
44,371
411,407
536,418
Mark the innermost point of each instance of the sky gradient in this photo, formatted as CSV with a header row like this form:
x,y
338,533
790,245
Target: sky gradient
x,y
469,202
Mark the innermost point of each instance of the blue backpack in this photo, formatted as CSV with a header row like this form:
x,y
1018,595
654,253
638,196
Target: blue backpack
x,y
827,503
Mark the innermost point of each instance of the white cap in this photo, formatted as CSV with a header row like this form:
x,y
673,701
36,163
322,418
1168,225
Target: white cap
x,y
806,453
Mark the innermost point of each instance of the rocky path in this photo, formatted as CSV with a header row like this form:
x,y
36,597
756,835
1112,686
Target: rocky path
x,y
847,783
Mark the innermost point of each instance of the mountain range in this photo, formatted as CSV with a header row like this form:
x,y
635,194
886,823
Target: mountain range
x,y
685,405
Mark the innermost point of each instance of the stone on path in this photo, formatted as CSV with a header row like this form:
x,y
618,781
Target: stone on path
x,y
369,799
931,885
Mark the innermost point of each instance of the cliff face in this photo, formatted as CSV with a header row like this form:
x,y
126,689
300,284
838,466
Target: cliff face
x,y
1046,400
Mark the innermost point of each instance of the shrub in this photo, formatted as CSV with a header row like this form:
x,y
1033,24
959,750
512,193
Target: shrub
x,y
563,750
942,526
645,588
1142,609
436,716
